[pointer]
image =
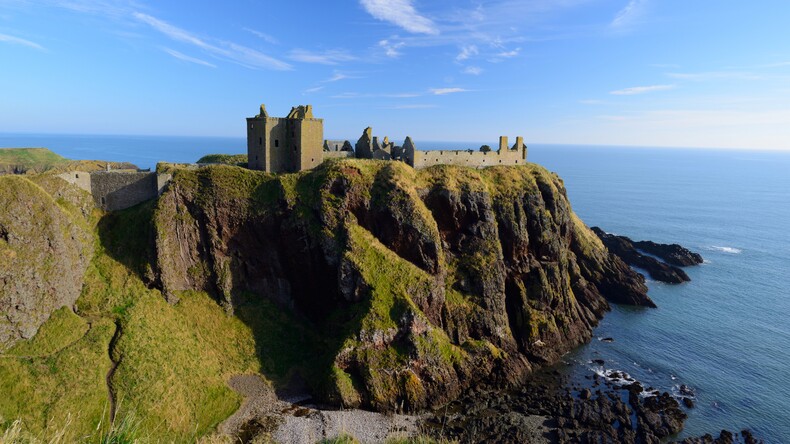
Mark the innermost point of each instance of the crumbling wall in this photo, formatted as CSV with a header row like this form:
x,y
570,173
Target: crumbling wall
x,y
476,159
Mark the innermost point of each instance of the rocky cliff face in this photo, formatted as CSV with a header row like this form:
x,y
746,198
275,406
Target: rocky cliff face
x,y
419,283
45,248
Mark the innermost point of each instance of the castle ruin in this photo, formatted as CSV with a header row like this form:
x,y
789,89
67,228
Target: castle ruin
x,y
296,143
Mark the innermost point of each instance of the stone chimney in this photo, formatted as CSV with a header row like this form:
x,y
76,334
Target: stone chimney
x,y
503,143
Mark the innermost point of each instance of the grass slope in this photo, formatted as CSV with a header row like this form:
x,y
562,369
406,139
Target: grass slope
x,y
228,159
28,159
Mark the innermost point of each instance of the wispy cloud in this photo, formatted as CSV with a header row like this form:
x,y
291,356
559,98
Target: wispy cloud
x,y
400,13
20,41
509,54
312,90
266,37
444,91
466,52
473,70
338,76
629,15
391,49
233,52
328,57
592,102
641,90
187,58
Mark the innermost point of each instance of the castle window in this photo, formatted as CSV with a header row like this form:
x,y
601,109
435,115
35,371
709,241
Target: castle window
x,y
256,158
260,140
102,200
250,125
76,176
276,142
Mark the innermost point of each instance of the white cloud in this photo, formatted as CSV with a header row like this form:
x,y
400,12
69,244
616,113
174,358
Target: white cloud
x,y
443,91
641,90
314,89
466,52
391,49
328,57
630,14
266,37
337,76
187,58
233,52
473,70
19,41
509,54
401,13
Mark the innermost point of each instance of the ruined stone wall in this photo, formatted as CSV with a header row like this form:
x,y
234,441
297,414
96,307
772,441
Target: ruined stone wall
x,y
116,190
339,155
80,178
477,159
309,142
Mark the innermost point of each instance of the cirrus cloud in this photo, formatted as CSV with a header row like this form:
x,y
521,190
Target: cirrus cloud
x,y
400,13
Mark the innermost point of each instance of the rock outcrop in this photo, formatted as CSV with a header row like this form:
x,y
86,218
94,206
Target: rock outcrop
x,y
626,249
673,254
45,248
419,283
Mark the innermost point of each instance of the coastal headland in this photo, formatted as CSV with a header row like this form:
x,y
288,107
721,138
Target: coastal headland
x,y
357,284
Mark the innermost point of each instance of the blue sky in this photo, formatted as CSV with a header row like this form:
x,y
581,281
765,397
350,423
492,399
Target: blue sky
x,y
620,72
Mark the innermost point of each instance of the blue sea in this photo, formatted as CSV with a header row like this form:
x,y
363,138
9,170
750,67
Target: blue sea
x,y
725,334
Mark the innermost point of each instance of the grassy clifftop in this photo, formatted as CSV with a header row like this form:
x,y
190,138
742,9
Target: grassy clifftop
x,y
22,160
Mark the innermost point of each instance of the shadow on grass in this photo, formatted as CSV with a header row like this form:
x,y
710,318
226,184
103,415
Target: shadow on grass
x,y
128,236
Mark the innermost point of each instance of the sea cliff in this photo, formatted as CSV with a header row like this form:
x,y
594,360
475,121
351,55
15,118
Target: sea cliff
x,y
417,282
361,283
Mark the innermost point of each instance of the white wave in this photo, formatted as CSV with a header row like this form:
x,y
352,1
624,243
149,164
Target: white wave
x,y
729,250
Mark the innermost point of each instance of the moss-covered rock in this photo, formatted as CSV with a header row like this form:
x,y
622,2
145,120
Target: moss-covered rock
x,y
44,250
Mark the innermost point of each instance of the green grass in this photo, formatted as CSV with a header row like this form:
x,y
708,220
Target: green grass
x,y
175,361
28,159
61,330
229,159
63,390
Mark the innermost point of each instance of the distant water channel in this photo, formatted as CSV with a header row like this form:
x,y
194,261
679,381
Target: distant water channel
x,y
726,334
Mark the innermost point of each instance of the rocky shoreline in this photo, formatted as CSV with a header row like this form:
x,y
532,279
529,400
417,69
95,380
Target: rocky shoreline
x,y
550,408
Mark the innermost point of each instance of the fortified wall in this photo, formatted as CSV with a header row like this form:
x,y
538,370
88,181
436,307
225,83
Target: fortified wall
x,y
116,190
295,143
478,159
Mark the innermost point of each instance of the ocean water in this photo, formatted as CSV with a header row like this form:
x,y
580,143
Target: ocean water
x,y
725,334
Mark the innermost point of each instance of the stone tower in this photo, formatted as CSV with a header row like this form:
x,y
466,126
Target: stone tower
x,y
285,144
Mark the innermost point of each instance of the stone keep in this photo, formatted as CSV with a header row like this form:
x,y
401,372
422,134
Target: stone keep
x,y
285,144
